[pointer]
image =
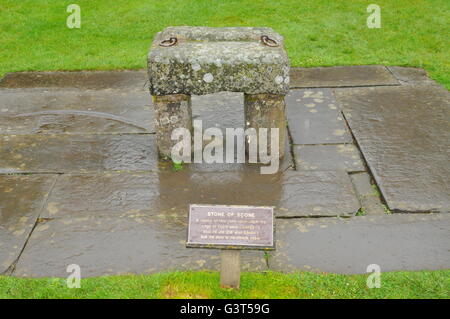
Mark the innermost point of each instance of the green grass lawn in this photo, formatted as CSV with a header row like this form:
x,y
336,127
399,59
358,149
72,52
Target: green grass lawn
x,y
422,284
116,35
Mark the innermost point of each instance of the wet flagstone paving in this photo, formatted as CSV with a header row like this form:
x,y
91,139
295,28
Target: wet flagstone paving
x,y
80,182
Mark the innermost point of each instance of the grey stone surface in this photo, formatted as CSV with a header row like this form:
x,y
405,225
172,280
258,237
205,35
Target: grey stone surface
x,y
40,111
410,75
342,76
317,193
368,194
222,110
116,210
85,80
76,153
171,112
170,193
208,60
314,118
404,135
266,112
328,157
394,242
21,201
134,243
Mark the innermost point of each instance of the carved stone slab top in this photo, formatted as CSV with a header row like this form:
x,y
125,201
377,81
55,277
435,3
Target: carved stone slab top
x,y
203,60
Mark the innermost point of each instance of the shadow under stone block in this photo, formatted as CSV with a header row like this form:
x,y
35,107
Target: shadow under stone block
x,y
85,80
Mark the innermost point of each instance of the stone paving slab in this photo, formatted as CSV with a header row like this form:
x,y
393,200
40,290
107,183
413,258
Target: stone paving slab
x,y
21,201
368,194
404,135
394,242
328,157
25,111
317,193
86,80
314,118
410,75
76,153
43,153
118,210
170,193
134,243
341,76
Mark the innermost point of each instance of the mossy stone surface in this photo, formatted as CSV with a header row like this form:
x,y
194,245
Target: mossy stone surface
x,y
207,60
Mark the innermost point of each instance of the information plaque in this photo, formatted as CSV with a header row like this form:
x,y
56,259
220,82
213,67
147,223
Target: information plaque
x,y
231,227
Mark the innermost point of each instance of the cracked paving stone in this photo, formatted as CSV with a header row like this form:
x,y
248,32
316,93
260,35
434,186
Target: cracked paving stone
x,y
76,153
337,245
133,243
21,200
341,76
328,157
314,118
170,193
404,135
38,111
410,75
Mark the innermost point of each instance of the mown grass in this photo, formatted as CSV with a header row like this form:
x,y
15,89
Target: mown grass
x,y
421,284
116,35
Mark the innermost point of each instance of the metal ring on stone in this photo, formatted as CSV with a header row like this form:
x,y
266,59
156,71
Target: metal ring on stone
x,y
268,41
168,43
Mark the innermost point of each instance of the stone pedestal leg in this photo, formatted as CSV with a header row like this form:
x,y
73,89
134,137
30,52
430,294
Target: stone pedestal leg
x,y
171,112
230,268
266,111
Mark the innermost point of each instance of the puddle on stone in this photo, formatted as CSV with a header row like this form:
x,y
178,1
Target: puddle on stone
x,y
76,153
